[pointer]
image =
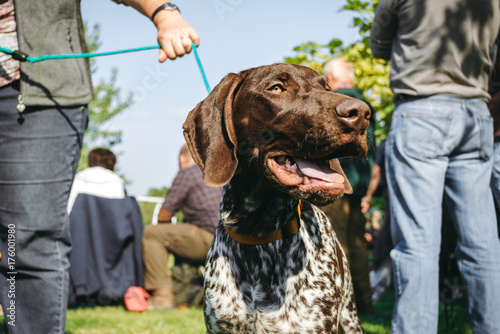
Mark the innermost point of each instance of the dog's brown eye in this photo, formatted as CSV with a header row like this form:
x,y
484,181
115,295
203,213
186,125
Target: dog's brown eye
x,y
277,89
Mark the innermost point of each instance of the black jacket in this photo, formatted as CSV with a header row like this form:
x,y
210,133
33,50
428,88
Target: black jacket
x,y
107,250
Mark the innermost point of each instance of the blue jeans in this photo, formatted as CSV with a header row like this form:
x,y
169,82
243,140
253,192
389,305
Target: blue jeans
x,y
495,178
39,152
441,147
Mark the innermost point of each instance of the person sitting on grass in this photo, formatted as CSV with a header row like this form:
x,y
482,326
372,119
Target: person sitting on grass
x,y
99,179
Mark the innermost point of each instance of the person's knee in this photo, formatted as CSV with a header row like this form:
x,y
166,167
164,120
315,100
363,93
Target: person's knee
x,y
150,232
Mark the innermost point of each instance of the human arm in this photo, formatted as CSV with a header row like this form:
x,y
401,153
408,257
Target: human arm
x,y
372,187
384,29
175,35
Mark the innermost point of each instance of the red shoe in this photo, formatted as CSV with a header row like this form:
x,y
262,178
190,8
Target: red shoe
x,y
136,299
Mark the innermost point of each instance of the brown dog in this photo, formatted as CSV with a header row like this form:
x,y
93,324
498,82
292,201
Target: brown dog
x,y
272,134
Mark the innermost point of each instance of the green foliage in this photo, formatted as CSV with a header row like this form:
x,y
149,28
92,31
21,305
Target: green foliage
x,y
372,75
93,43
105,105
157,192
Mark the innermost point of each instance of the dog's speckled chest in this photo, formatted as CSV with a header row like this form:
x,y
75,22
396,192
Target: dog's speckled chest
x,y
293,285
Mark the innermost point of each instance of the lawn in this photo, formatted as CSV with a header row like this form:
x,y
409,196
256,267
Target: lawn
x,y
457,321
115,320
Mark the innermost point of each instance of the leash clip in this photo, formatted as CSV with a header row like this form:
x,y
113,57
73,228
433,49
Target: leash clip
x,y
19,55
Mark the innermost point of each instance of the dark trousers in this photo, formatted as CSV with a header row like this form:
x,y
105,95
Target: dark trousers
x,y
39,153
349,224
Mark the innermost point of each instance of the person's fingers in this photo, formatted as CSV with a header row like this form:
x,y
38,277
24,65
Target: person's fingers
x,y
186,43
365,206
173,47
194,37
178,46
175,36
169,50
162,56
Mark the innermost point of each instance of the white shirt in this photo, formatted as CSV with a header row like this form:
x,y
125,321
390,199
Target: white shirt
x,y
97,181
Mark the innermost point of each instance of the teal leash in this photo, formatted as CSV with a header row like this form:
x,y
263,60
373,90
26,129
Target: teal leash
x,y
78,55
24,57
201,69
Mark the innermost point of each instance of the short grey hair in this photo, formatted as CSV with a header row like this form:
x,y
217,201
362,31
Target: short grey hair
x,y
339,68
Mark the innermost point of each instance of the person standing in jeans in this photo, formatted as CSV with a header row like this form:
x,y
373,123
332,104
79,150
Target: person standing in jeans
x,y
43,116
440,143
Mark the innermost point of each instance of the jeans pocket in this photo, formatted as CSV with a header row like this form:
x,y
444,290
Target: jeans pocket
x,y
424,135
485,136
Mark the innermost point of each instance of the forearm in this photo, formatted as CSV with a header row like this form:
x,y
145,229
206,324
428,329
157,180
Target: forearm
x,y
145,7
372,186
384,29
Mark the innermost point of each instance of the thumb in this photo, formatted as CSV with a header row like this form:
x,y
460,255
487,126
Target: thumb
x,y
162,56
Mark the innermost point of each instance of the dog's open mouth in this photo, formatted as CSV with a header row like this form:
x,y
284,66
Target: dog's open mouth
x,y
309,175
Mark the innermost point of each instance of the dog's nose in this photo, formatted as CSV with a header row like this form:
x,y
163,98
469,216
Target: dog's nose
x,y
355,114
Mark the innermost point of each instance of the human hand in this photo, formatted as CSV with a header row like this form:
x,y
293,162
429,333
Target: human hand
x,y
164,216
175,35
365,204
369,237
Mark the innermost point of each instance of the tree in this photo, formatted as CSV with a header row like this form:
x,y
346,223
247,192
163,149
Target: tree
x,y
372,75
105,105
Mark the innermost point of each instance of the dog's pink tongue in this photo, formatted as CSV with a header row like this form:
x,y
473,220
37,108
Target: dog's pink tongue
x,y
312,170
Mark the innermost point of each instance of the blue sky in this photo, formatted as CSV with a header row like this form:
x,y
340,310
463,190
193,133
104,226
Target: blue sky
x,y
235,35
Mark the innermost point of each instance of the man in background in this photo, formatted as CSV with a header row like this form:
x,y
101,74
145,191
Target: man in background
x,y
345,214
440,145
190,240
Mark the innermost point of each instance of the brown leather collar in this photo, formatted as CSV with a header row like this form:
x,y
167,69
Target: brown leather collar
x,y
291,228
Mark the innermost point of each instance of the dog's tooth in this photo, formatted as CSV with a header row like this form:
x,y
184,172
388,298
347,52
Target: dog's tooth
x,y
281,159
290,161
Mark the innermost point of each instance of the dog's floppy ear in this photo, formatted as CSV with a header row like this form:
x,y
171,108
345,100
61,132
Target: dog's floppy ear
x,y
335,165
210,135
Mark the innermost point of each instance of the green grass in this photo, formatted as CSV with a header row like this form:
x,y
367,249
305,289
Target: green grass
x,y
116,320
380,322
111,320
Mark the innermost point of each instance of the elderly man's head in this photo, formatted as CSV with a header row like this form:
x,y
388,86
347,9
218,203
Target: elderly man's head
x,y
339,74
185,158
